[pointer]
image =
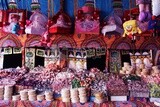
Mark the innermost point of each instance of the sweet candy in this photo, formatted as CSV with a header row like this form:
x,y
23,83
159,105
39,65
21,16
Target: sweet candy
x,y
65,94
138,89
74,95
24,95
48,95
82,95
99,97
8,91
15,97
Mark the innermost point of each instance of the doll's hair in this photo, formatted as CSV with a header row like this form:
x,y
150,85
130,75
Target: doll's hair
x,y
15,16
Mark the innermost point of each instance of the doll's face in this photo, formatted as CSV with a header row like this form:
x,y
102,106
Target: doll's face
x,y
14,20
37,18
130,26
111,20
60,17
88,17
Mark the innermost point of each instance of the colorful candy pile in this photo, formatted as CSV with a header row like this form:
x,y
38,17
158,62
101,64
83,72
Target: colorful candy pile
x,y
55,79
152,79
116,86
155,90
99,83
138,89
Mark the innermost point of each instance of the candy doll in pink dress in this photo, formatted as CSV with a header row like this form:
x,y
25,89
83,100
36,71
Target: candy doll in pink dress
x,y
60,23
37,24
14,26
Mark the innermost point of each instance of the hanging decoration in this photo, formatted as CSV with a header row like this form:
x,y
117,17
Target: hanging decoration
x,y
115,61
84,56
61,22
79,60
51,57
40,52
17,50
154,23
8,50
118,7
144,9
131,28
35,5
91,52
30,57
71,59
100,51
87,19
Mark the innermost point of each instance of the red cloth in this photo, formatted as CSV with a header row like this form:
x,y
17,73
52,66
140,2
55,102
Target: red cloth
x,y
61,104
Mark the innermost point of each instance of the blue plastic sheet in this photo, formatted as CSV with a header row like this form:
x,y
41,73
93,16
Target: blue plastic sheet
x,y
105,6
3,4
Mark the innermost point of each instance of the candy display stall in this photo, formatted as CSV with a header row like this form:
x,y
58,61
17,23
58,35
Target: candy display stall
x,y
64,60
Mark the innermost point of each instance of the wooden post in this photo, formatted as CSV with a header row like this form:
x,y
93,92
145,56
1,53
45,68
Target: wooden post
x,y
52,9
49,8
75,7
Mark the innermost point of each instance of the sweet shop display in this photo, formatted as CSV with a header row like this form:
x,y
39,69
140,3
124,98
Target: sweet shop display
x,y
74,53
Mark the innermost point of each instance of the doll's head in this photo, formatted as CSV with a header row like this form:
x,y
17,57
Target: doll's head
x,y
15,18
111,20
60,17
88,17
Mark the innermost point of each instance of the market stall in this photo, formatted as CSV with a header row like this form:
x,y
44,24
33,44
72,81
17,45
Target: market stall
x,y
81,54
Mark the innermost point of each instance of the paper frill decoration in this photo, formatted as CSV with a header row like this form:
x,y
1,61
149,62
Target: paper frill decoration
x,y
35,5
12,4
